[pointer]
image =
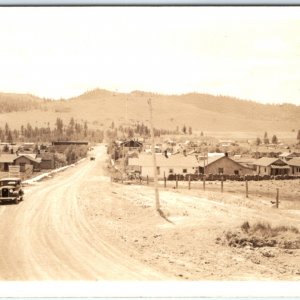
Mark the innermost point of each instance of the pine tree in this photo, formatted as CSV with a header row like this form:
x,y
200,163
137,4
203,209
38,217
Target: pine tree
x,y
274,139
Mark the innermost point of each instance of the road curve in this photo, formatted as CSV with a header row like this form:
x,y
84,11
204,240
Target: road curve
x,y
47,237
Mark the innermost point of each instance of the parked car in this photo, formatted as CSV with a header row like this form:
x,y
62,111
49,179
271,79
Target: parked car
x,y
11,190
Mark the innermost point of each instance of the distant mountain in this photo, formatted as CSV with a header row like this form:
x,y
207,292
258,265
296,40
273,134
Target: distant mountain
x,y
200,111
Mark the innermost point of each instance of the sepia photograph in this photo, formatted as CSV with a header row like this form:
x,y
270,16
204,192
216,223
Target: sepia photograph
x,y
142,144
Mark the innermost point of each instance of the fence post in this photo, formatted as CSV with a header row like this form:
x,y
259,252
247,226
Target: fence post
x,y
204,182
147,180
189,182
165,181
277,198
246,188
222,184
176,181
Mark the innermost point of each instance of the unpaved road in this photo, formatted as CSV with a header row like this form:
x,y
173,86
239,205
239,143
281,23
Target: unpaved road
x,y
47,237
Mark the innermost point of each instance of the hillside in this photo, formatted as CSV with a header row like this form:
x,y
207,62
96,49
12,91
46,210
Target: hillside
x,y
201,111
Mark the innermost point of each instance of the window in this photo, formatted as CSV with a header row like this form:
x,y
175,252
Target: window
x,y
236,172
265,170
171,171
184,170
221,170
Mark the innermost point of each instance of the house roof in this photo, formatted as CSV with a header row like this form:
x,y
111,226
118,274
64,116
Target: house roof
x,y
267,161
294,162
131,143
162,161
288,154
7,158
211,160
30,157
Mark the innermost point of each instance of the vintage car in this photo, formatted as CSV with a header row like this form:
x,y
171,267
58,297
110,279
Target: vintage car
x,y
11,190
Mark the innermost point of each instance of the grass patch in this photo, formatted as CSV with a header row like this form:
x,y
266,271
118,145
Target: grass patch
x,y
262,234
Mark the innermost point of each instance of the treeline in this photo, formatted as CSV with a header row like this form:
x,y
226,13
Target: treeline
x,y
142,130
73,130
9,103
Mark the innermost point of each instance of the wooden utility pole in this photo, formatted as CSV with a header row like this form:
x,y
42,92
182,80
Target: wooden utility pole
x,y
277,198
157,204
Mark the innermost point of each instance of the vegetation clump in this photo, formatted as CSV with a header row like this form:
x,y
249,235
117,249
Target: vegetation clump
x,y
262,234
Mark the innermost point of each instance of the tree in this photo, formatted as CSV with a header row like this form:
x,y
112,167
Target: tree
x,y
184,129
59,126
85,128
266,139
274,139
190,130
201,134
258,141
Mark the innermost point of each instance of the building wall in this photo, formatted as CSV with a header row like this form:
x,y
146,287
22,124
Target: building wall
x,y
229,167
263,170
295,170
47,164
24,160
148,171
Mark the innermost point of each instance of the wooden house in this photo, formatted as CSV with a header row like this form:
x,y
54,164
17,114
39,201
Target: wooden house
x,y
294,164
6,160
175,164
27,159
223,165
271,166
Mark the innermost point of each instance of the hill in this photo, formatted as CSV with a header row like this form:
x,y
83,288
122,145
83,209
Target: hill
x,y
200,111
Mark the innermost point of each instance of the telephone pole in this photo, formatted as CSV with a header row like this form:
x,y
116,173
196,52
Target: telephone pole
x,y
157,204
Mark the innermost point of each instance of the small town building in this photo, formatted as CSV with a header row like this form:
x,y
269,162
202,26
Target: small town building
x,y
26,159
131,145
286,156
223,165
6,160
175,164
271,166
294,164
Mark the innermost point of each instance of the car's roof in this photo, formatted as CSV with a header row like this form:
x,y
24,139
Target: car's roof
x,y
10,178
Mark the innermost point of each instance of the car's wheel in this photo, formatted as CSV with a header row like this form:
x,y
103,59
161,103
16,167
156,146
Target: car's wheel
x,y
16,200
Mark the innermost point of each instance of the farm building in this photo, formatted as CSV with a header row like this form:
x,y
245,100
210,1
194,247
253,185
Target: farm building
x,y
294,164
271,166
223,165
175,164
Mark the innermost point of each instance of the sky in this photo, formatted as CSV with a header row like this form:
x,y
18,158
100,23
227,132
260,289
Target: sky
x,y
251,53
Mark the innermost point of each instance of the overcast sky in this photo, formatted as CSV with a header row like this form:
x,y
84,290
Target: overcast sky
x,y
247,52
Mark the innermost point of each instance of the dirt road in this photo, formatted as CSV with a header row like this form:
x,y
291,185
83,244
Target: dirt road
x,y
47,236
